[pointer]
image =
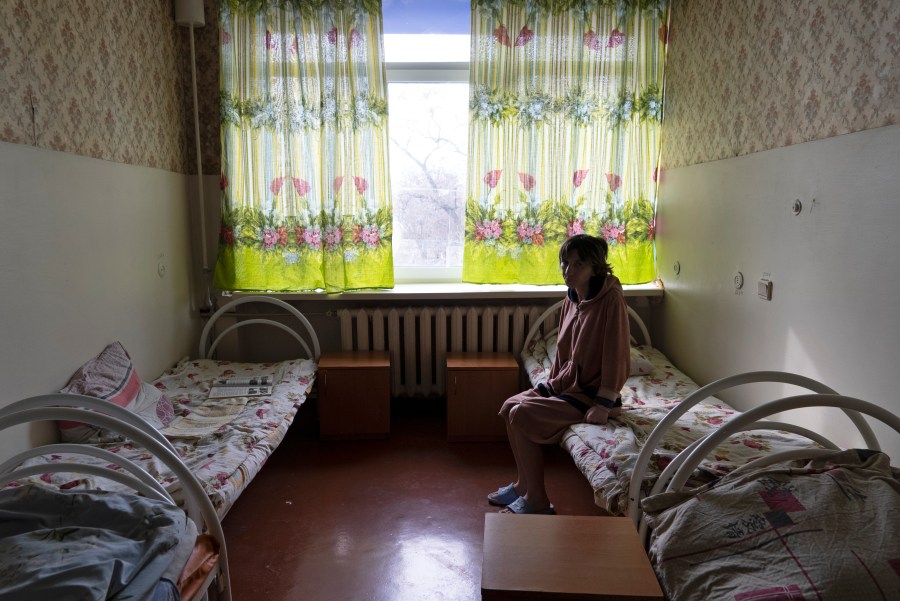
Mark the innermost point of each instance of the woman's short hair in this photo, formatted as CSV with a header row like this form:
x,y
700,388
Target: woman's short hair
x,y
590,249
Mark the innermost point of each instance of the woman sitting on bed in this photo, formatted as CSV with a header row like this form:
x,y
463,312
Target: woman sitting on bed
x,y
591,365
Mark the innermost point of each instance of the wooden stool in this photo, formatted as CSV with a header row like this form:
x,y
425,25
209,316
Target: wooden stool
x,y
597,558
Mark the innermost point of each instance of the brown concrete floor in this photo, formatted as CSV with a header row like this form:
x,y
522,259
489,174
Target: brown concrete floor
x,y
400,519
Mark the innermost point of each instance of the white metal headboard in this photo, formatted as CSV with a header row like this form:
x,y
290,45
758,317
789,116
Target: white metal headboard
x,y
553,311
57,406
206,350
824,394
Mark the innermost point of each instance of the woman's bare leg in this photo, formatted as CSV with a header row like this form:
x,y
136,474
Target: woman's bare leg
x,y
530,465
521,483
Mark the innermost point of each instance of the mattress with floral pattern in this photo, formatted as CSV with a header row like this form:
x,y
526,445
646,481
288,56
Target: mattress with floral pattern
x,y
607,454
224,441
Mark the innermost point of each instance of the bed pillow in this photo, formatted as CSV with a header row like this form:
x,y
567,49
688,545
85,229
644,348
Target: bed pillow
x,y
640,364
827,530
538,357
153,406
111,376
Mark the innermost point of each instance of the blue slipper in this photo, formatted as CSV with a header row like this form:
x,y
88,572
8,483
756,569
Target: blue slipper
x,y
503,496
521,506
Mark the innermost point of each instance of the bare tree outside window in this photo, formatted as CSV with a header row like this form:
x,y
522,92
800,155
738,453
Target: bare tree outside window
x,y
428,127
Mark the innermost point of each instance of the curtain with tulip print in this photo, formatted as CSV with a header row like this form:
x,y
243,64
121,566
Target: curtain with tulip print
x,y
564,137
305,188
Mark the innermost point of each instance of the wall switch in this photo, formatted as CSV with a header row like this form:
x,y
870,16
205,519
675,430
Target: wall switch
x,y
765,289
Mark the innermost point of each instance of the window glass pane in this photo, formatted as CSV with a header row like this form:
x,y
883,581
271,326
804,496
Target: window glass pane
x,y
426,48
428,127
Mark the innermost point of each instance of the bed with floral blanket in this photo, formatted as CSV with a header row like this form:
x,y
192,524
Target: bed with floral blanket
x,y
224,441
607,454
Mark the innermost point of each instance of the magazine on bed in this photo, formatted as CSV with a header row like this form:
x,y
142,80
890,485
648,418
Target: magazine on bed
x,y
245,386
262,380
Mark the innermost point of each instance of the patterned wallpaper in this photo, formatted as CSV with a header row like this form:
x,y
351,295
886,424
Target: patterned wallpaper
x,y
108,79
206,49
751,75
111,78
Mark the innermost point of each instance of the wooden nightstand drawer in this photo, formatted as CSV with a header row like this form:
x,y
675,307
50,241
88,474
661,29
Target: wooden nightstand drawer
x,y
477,385
354,394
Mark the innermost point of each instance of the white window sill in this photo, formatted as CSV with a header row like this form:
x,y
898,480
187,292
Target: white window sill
x,y
434,291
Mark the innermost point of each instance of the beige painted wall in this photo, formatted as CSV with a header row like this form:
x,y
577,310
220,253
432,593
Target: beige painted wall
x,y
833,314
81,242
833,267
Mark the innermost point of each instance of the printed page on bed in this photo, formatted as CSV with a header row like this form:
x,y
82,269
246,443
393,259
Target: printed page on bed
x,y
235,385
259,380
221,392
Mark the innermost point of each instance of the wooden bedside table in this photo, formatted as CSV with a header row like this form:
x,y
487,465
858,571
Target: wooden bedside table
x,y
477,384
558,557
354,394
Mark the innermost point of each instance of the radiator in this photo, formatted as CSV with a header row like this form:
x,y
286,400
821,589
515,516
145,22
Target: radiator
x,y
419,338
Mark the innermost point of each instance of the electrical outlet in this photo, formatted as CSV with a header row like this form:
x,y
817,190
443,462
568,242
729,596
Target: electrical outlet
x,y
764,288
738,280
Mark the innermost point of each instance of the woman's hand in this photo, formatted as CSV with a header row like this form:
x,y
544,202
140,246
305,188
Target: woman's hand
x,y
598,414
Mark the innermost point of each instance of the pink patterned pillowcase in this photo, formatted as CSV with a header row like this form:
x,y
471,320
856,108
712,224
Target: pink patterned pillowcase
x,y
111,376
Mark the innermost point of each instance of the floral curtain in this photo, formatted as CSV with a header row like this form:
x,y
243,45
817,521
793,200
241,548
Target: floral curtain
x,y
564,137
305,189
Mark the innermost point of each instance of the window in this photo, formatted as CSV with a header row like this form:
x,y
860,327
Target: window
x,y
427,59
